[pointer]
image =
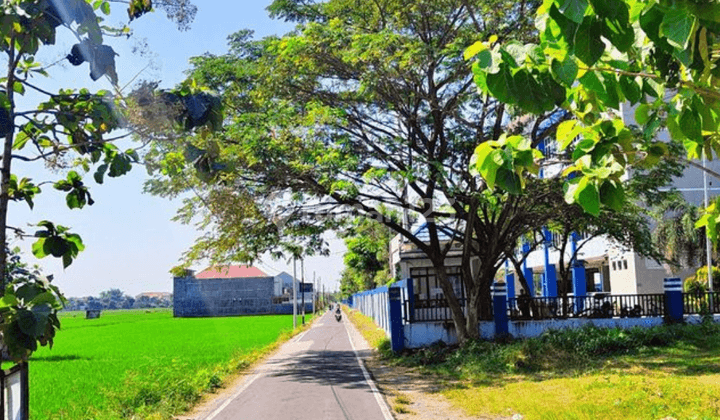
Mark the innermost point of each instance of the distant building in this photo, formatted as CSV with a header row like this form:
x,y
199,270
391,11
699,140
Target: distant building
x,y
233,290
154,295
284,288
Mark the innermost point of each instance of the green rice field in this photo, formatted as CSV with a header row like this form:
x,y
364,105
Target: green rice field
x,y
143,364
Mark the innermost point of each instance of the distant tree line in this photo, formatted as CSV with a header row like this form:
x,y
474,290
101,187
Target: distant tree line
x,y
116,299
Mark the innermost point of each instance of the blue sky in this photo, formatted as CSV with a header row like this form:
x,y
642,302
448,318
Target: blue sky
x,y
130,241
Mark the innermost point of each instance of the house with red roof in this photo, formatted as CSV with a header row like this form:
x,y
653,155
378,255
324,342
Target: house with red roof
x,y
230,272
229,290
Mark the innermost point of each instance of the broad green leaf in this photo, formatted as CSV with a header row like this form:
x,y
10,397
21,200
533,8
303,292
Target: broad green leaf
x,y
642,114
630,89
21,140
26,321
38,248
500,85
8,299
690,125
509,181
55,246
589,47
528,93
677,26
566,132
573,9
19,87
591,82
612,89
612,195
75,199
480,78
615,20
649,89
565,71
67,260
568,28
584,147
588,196
44,298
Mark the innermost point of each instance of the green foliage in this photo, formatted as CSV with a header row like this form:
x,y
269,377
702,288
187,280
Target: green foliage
x,y
699,282
57,241
593,56
29,308
676,235
366,259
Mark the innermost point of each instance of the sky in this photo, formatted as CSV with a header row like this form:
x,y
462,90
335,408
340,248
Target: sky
x,y
131,243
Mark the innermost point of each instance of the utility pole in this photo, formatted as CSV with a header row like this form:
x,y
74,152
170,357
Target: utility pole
x,y
302,277
314,292
708,244
294,293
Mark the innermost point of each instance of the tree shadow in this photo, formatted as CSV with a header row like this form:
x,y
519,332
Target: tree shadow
x,y
324,367
59,358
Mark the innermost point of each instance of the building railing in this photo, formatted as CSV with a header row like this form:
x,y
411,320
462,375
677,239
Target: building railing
x,y
429,310
600,305
701,303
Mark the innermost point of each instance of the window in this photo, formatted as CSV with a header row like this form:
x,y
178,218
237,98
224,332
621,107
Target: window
x,y
428,287
625,264
614,266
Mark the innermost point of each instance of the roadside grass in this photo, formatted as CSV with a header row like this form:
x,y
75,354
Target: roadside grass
x,y
662,372
143,364
375,336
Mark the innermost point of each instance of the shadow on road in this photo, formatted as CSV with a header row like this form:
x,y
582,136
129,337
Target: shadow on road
x,y
326,367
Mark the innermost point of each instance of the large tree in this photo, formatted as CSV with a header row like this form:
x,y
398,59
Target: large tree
x,y
363,105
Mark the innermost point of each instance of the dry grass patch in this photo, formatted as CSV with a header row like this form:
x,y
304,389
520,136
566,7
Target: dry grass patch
x,y
598,396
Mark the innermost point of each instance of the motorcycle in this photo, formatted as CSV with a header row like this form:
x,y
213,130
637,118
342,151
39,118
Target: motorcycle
x,y
338,315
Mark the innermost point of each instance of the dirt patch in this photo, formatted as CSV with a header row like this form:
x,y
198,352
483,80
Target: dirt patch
x,y
412,395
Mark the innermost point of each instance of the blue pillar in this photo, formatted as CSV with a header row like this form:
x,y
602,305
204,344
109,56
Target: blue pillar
x,y
510,281
527,272
673,300
411,298
500,313
578,276
550,278
397,336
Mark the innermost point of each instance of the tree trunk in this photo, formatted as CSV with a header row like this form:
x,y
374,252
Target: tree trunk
x,y
5,170
452,300
472,314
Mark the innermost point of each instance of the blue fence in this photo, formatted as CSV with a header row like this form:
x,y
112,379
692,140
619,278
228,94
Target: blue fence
x,y
410,323
376,304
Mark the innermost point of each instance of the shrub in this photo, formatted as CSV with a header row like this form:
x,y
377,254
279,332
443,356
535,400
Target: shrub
x,y
698,283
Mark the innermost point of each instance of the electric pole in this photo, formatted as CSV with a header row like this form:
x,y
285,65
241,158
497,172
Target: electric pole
x,y
294,293
302,277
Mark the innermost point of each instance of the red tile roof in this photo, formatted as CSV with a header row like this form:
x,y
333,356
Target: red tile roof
x,y
230,272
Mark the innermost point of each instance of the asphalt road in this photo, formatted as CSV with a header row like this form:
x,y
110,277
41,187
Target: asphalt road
x,y
315,376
